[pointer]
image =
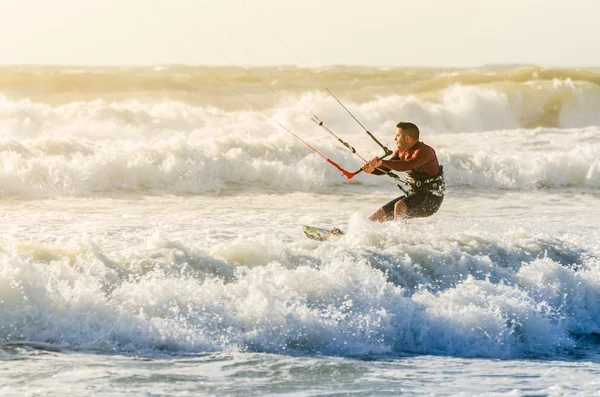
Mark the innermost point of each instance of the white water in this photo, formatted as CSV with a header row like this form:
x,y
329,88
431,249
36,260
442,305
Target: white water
x,y
171,233
170,148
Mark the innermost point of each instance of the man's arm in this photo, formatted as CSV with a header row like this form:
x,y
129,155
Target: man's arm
x,y
419,158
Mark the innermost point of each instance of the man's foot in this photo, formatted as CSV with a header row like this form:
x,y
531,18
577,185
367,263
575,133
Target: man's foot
x,y
337,231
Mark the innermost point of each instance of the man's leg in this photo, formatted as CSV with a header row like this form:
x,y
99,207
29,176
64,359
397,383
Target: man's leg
x,y
400,211
387,212
418,206
379,216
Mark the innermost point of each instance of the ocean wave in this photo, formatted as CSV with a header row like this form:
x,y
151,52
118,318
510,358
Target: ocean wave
x,y
372,293
484,98
47,167
85,148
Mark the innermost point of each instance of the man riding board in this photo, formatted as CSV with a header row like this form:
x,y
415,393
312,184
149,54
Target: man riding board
x,y
425,177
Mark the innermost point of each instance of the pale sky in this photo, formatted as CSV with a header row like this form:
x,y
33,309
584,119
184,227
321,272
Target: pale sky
x,y
320,32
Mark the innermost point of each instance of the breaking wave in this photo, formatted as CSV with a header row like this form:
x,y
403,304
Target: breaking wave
x,y
372,292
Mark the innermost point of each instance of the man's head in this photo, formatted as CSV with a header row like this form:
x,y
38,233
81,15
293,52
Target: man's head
x,y
407,134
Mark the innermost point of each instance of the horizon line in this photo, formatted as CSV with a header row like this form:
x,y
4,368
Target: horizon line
x,y
289,65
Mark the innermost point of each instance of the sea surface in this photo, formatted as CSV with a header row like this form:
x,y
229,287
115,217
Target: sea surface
x,y
151,243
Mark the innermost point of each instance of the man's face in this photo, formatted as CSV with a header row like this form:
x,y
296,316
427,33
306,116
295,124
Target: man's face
x,y
402,140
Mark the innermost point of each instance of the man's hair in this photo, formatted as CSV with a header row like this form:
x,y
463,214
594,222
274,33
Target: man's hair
x,y
409,129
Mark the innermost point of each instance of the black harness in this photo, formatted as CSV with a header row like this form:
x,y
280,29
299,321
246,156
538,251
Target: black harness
x,y
418,182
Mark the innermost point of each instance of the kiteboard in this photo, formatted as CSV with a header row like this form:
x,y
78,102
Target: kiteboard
x,y
320,234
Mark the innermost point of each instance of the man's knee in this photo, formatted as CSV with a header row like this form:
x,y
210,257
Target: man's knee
x,y
400,210
378,216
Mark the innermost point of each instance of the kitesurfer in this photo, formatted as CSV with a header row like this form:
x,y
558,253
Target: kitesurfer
x,y
425,177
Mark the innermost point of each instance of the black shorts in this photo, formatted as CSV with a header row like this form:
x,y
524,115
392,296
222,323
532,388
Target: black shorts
x,y
417,206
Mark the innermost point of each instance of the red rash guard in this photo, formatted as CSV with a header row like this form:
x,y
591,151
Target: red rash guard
x,y
420,157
